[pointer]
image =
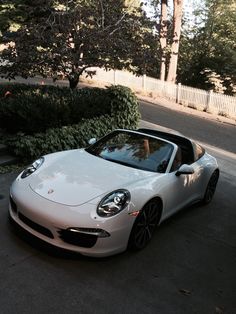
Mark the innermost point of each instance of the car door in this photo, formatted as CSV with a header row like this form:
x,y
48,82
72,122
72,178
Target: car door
x,y
183,189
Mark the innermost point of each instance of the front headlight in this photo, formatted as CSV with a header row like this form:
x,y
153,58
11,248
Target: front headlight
x,y
113,203
32,168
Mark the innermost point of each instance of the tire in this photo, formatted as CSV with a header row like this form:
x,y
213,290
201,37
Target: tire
x,y
211,187
145,225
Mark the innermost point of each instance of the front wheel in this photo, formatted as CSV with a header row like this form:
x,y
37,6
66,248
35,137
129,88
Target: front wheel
x,y
211,187
144,225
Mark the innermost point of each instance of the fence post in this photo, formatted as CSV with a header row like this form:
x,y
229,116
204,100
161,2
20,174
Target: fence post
x,y
144,82
207,108
178,93
114,77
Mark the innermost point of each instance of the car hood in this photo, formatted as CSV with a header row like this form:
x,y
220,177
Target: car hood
x,y
76,177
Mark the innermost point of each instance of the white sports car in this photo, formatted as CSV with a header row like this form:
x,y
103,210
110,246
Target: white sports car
x,y
112,195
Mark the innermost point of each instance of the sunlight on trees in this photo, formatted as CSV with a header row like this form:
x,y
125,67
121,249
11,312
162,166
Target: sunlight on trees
x,y
67,38
155,37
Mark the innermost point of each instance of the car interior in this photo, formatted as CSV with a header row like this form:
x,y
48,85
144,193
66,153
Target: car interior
x,y
185,153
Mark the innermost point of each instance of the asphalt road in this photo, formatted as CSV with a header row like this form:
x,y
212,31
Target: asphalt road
x,y
215,133
189,267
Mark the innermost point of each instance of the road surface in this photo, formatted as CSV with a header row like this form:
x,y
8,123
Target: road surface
x,y
188,268
215,133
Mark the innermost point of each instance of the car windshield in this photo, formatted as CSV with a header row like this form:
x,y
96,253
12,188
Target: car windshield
x,y
134,150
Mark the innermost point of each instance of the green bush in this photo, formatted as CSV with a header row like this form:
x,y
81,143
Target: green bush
x,y
124,113
57,139
33,108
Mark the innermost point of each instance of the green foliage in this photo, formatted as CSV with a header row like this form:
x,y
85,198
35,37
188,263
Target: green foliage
x,y
124,114
12,14
124,107
68,37
31,109
12,168
207,53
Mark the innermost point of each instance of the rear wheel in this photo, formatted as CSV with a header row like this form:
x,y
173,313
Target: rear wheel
x,y
145,225
211,187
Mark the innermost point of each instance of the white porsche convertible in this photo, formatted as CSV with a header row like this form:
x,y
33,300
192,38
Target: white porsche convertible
x,y
112,195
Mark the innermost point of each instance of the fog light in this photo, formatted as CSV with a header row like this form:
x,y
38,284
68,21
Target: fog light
x,y
100,233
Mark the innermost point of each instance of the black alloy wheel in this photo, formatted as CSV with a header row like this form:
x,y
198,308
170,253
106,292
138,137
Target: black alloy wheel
x,y
145,225
211,187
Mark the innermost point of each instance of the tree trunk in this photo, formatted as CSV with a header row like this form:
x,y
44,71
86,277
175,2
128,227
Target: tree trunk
x,y
163,38
73,80
74,76
178,6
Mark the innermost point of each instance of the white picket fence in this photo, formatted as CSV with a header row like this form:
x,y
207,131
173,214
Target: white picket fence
x,y
188,96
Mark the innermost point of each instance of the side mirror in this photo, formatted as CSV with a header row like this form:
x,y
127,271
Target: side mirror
x,y
184,169
92,141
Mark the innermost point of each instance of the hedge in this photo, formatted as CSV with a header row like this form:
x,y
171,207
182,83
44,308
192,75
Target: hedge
x,y
35,108
123,113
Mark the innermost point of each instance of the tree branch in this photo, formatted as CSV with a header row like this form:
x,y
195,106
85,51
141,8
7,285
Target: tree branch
x,y
102,12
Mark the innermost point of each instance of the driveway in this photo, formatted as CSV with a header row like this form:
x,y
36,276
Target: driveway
x,y
189,267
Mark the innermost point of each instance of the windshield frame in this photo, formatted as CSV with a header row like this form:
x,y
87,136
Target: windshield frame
x,y
107,136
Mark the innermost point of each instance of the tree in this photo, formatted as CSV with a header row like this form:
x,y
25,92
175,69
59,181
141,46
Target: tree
x,y
207,53
163,38
177,18
12,14
169,36
69,37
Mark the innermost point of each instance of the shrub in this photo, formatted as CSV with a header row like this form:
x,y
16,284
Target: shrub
x,y
57,139
124,113
32,108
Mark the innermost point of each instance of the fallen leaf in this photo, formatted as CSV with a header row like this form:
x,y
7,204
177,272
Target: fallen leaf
x,y
219,310
185,292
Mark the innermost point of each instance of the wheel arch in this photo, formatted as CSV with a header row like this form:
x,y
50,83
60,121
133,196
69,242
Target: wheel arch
x,y
157,199
205,200
210,173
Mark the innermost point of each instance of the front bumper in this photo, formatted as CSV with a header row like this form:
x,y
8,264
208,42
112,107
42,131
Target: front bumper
x,y
58,224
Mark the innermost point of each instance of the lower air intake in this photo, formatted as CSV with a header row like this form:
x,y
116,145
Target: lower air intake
x,y
77,238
